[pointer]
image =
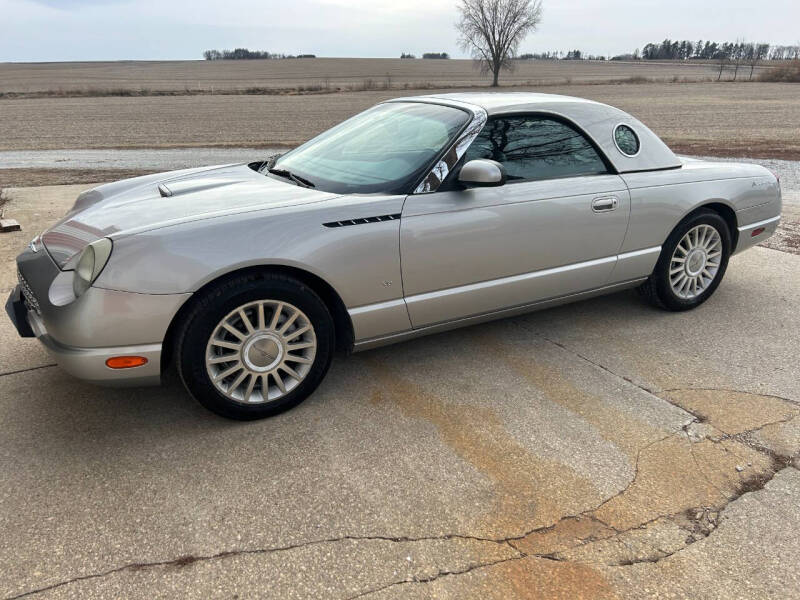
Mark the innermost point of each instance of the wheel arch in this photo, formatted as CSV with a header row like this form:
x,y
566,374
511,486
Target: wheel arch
x,y
343,326
653,288
727,213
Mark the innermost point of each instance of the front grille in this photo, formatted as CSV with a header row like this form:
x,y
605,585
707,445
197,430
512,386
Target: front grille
x,y
27,292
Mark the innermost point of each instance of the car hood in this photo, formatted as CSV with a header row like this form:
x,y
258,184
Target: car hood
x,y
145,203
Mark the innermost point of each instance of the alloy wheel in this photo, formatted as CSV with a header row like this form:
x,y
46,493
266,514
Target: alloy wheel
x,y
695,262
260,351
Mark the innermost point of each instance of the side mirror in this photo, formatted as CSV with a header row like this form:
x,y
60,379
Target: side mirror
x,y
482,173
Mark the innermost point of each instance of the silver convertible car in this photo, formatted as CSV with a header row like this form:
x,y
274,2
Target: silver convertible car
x,y
417,215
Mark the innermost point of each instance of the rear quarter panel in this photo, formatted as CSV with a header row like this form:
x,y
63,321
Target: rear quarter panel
x,y
661,199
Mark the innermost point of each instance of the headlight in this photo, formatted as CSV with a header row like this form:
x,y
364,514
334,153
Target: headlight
x,y
91,262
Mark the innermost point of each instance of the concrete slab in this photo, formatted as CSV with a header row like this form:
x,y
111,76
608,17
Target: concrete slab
x,y
579,452
752,553
35,208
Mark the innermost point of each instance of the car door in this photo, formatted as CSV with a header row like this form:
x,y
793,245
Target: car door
x,y
553,229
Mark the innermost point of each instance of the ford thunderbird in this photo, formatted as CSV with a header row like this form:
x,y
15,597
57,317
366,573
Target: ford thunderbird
x,y
418,215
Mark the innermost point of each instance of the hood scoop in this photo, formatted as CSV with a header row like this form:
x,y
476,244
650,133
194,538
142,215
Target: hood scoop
x,y
187,186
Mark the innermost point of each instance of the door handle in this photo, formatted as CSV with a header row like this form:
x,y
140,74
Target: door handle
x,y
604,204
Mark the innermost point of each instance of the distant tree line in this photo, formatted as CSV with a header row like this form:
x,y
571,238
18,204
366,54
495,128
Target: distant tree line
x,y
426,55
559,55
245,54
708,50
745,52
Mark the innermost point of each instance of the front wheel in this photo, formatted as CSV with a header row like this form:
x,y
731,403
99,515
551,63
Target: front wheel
x,y
255,346
692,263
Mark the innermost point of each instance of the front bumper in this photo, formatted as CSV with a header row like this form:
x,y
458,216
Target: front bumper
x,y
88,364
82,333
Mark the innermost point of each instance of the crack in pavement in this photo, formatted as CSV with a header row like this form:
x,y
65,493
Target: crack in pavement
x,y
750,484
699,469
440,574
28,369
633,478
704,534
657,393
726,390
698,417
697,533
185,560
760,427
601,366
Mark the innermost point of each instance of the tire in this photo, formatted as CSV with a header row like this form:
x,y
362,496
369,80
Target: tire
x,y
663,289
261,385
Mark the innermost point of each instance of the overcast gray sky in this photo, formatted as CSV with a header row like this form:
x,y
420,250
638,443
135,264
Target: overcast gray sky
x,y
44,30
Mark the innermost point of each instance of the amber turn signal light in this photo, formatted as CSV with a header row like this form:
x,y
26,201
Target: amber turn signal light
x,y
125,362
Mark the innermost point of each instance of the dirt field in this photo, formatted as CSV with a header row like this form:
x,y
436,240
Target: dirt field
x,y
34,177
330,73
722,119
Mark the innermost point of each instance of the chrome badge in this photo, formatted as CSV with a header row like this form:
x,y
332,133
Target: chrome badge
x,y
34,244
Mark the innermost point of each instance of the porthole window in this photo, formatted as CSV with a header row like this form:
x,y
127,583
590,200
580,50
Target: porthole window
x,y
626,140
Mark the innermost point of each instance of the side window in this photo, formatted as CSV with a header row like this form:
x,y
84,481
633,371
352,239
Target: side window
x,y
536,147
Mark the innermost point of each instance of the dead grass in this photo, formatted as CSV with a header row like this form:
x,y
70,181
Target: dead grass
x,y
365,85
786,73
155,78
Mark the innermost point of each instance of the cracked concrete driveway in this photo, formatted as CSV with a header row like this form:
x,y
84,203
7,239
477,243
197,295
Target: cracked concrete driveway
x,y
598,450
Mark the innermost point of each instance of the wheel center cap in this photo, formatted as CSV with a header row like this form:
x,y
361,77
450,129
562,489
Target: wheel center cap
x,y
695,262
263,352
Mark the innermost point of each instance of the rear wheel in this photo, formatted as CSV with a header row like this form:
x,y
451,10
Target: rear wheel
x,y
692,263
255,346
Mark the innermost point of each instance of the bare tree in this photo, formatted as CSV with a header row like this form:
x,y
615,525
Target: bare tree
x,y
737,53
492,30
722,57
756,53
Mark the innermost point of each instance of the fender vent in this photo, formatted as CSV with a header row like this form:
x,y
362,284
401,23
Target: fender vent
x,y
362,221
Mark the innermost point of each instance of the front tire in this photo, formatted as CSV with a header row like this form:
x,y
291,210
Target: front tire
x,y
692,263
255,345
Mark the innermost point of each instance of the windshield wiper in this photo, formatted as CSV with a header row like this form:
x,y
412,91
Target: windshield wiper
x,y
301,181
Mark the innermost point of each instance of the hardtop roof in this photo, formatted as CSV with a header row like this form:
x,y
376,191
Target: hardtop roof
x,y
598,121
498,102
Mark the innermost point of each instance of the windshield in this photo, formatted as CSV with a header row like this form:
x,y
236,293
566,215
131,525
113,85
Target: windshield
x,y
384,149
